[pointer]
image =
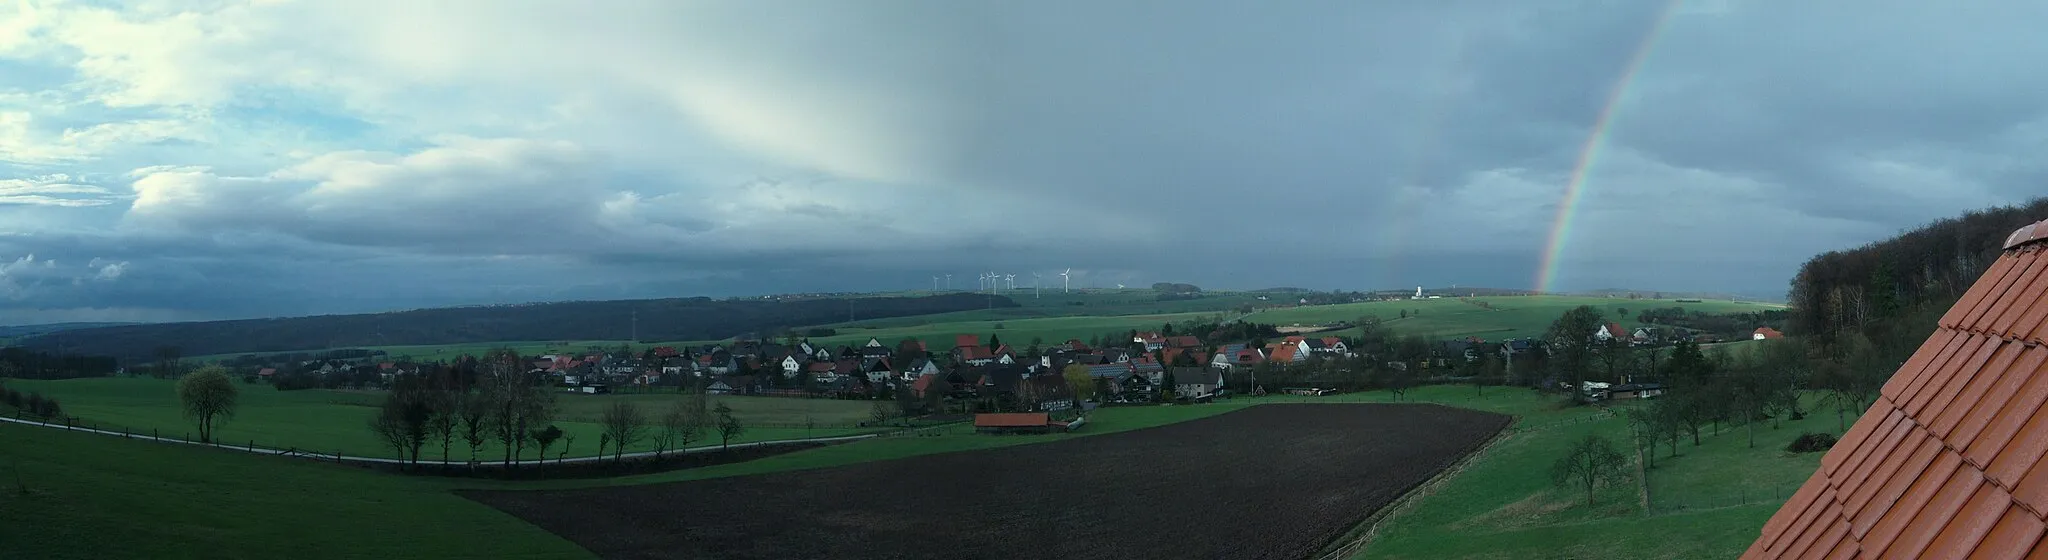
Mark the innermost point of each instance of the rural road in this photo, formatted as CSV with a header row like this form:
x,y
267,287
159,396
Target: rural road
x,y
388,461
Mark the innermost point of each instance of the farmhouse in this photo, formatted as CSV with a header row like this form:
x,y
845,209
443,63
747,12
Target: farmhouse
x,y
1014,423
1196,382
1627,391
1766,333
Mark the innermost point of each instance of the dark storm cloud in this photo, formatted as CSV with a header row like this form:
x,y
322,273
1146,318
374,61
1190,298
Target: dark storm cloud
x,y
642,150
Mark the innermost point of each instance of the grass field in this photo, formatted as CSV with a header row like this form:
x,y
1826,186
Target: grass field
x,y
95,496
1054,320
1509,317
1709,502
1501,505
336,421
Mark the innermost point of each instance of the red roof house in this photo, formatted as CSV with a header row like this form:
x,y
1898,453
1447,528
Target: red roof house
x,y
964,340
1763,333
1948,462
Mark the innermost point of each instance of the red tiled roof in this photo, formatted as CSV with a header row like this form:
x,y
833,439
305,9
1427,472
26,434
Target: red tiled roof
x,y
1011,420
1284,353
1183,342
1948,462
820,367
1332,341
267,372
1615,330
974,353
1768,332
960,340
666,352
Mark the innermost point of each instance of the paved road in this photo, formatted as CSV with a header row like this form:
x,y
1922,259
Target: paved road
x,y
388,461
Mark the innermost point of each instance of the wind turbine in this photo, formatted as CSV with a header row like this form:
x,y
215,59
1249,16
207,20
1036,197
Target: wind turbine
x,y
1010,280
949,282
935,283
1067,281
1034,285
992,277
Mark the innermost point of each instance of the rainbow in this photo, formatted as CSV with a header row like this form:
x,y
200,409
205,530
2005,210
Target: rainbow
x,y
1561,227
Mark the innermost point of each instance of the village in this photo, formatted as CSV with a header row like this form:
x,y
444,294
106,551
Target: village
x,y
976,375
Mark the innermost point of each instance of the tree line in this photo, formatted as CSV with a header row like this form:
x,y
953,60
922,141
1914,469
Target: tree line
x,y
23,363
497,400
1840,292
667,319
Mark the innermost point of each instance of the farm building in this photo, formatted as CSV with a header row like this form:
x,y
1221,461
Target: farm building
x,y
1948,462
1627,391
1015,423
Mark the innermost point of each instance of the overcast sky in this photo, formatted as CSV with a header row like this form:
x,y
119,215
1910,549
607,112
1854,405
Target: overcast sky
x,y
190,159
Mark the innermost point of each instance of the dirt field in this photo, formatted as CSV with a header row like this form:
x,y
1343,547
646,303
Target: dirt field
x,y
1275,481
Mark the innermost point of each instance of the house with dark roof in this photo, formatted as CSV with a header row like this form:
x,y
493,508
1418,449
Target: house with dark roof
x,y
1948,463
1196,382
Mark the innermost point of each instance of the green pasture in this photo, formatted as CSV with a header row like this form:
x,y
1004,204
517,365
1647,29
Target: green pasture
x,y
337,421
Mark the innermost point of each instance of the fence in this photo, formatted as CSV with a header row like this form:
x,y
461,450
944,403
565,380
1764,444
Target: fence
x,y
1680,501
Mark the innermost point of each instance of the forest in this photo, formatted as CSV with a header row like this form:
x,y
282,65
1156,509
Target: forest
x,y
651,320
26,364
1891,292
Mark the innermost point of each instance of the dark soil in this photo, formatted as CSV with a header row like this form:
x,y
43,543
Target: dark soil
x,y
1276,481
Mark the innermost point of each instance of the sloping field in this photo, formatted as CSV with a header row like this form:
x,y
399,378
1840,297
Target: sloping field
x,y
1265,482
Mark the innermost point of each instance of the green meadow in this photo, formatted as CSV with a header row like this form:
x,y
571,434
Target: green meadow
x,y
337,421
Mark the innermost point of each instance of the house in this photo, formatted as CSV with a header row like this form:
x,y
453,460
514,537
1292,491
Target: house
x,y
874,343
1611,332
1287,353
962,340
791,366
826,372
1014,423
1645,335
973,355
266,373
1336,347
1183,342
732,385
1196,382
1766,333
1152,341
920,366
1634,391
1226,356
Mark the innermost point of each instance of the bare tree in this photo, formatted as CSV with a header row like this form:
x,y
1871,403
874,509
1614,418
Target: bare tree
x,y
545,438
402,420
728,426
446,406
624,425
879,412
473,412
1592,461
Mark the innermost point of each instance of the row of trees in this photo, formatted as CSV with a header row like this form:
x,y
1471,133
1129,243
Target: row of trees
x,y
22,363
666,319
516,409
31,403
1842,291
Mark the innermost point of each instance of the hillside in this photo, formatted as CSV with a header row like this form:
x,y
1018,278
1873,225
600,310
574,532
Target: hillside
x,y
1892,291
665,319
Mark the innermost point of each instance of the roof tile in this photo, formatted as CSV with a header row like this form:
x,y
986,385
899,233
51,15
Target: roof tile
x,y
1915,497
1916,394
1971,523
1939,511
2019,288
1912,455
2021,455
2015,533
1851,443
2008,421
1941,391
1977,292
2007,385
1968,394
1923,363
1948,463
2021,303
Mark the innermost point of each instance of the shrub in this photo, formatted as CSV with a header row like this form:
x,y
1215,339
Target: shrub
x,y
1811,442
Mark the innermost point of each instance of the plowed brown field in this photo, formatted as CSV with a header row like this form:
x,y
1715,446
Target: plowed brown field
x,y
1273,481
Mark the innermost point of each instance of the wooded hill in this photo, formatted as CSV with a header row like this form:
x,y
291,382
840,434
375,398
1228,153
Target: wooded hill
x,y
1892,291
658,320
